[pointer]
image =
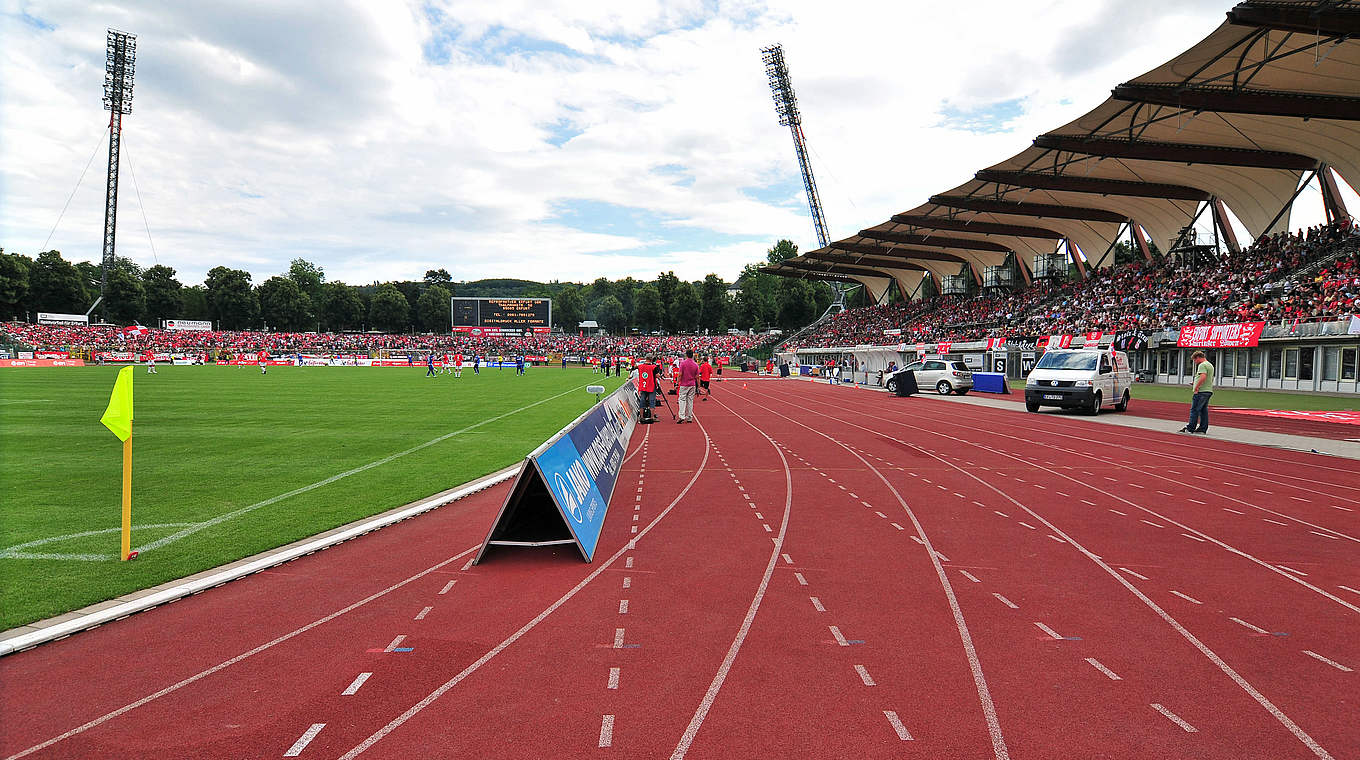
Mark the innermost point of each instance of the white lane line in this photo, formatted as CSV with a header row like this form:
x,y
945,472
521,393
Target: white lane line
x,y
767,528
468,565
623,606
1300,498
1135,485
817,604
853,496
635,517
801,580
1088,502
759,516
1195,501
1109,673
1245,624
1333,663
897,725
446,588
1036,485
1049,631
1027,525
1063,494
613,679
864,675
969,576
1275,522
606,730
1194,538
634,530
1261,490
1153,524
1343,509
1055,538
787,561
304,740
1136,575
355,684
942,557
840,639
867,504
961,496
628,562
1189,599
1005,601
627,581
618,638
1166,493
1003,514
1348,588
1288,569
1324,535
395,643
980,504
1189,729
918,540
1225,509
421,615
895,525
880,514
1125,514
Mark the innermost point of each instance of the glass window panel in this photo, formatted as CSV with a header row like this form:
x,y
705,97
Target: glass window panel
x,y
1291,364
1256,363
1306,358
1331,357
1276,363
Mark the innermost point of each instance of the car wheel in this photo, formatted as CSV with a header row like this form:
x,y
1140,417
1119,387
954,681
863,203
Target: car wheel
x,y
1123,403
1095,405
944,388
892,386
1031,406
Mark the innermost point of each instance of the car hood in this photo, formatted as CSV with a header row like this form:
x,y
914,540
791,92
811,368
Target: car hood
x,y
1060,374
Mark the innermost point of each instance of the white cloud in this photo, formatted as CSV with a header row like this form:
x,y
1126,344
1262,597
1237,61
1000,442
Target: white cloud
x,y
263,131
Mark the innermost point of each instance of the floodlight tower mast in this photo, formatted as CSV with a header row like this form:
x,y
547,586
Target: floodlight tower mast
x,y
786,106
120,63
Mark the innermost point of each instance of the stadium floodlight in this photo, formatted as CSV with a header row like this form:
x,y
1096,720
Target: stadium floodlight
x,y
786,107
120,64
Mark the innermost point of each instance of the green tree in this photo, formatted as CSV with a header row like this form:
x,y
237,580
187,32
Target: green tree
x,y
569,308
433,308
389,310
751,310
231,299
284,305
124,296
439,277
308,276
14,271
164,294
54,284
648,313
341,307
611,315
684,312
666,286
194,303
782,251
713,303
795,303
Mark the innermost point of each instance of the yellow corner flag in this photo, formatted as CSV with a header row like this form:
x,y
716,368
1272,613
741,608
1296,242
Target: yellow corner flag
x,y
118,418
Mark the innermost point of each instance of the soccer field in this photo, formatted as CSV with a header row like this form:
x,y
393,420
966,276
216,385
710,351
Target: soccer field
x,y
229,463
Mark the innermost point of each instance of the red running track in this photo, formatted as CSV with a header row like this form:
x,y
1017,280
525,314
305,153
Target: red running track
x,y
808,572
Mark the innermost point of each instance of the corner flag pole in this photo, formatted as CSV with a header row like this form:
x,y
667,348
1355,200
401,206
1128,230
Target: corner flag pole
x,y
127,498
118,419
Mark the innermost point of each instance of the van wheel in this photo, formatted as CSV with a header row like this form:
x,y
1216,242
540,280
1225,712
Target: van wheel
x,y
944,388
1094,409
1031,406
892,385
1123,403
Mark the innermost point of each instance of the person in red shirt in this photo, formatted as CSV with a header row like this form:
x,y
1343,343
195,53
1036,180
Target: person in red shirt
x,y
769,366
150,358
263,359
688,379
705,374
646,385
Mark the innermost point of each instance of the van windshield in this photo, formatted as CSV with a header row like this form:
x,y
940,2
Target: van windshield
x,y
1082,361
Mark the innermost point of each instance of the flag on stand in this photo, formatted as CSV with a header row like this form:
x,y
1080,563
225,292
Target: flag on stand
x,y
118,419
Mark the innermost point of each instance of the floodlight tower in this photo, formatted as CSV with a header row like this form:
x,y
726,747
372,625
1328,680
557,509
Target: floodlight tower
x,y
786,105
119,66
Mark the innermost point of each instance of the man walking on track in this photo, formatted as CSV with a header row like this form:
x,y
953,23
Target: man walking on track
x,y
1199,400
705,374
688,379
263,359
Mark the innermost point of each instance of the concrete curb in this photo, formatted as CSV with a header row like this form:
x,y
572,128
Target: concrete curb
x,y
43,631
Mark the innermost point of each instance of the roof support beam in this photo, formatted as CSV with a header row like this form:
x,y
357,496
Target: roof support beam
x,y
1040,210
1093,185
867,261
905,253
1338,20
984,228
1140,150
1242,100
783,271
841,269
907,238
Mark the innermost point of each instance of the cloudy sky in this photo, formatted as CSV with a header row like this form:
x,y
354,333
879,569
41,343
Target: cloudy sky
x,y
543,139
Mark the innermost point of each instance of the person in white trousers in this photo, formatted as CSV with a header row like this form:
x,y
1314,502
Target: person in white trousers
x,y
687,377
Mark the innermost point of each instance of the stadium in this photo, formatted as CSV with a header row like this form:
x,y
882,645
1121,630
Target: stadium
x,y
1059,462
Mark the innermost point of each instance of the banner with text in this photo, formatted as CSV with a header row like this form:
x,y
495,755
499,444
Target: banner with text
x,y
1243,335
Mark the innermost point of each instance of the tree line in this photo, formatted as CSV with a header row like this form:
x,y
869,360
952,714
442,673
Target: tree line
x,y
302,299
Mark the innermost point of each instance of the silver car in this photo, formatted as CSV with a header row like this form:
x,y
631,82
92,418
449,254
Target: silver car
x,y
945,377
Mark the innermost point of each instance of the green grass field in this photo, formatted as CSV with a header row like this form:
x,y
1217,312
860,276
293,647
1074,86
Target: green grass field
x,y
1228,397
209,441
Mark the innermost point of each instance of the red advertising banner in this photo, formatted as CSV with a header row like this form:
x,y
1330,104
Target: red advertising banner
x,y
943,346
1094,336
1059,341
995,343
1242,335
540,329
42,363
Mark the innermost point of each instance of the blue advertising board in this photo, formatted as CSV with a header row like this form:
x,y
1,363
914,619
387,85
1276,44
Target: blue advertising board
x,y
562,492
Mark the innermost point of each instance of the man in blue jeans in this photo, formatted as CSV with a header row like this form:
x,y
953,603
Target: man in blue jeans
x,y
1203,389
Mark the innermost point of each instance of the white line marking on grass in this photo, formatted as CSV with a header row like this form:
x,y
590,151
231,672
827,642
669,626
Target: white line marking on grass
x,y
1049,631
1108,673
801,580
840,638
1245,624
1174,718
421,615
446,588
304,740
613,679
173,537
1190,599
606,730
1005,601
353,688
969,576
1333,663
864,675
897,725
817,604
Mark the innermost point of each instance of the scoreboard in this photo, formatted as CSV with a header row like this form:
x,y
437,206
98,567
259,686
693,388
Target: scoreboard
x,y
506,316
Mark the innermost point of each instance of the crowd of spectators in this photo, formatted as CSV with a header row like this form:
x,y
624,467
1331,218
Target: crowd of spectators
x,y
1271,281
231,342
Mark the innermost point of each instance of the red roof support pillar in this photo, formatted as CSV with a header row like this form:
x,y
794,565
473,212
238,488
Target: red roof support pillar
x,y
1332,201
1142,242
1072,254
1221,219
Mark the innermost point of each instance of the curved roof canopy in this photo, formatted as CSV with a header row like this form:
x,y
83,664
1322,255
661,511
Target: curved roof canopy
x,y
1268,98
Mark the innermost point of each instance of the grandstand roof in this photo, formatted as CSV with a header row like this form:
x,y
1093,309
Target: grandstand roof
x,y
1271,95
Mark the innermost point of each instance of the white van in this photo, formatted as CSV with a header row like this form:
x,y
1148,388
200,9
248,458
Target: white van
x,y
1086,379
